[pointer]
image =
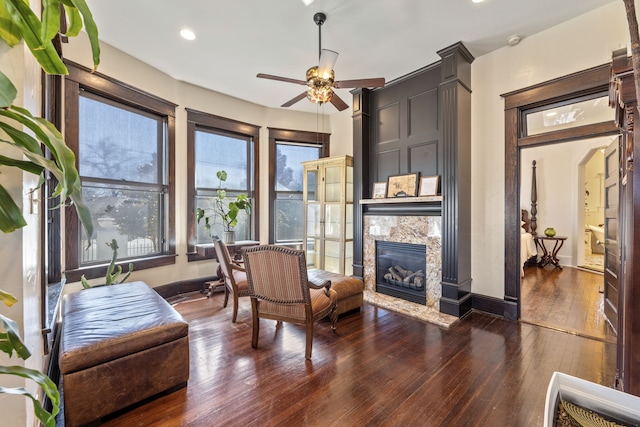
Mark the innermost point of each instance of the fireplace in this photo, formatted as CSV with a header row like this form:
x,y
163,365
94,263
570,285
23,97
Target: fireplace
x,y
400,270
422,231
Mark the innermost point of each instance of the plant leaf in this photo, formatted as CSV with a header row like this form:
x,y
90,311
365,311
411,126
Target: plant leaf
x,y
47,418
91,28
7,298
69,185
75,21
10,214
25,165
50,19
20,138
8,91
13,337
31,30
9,31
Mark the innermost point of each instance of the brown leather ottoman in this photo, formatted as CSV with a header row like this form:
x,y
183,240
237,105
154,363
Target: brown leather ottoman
x,y
120,344
349,289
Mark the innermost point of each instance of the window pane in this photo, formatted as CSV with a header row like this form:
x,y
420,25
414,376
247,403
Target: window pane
x,y
289,224
215,152
126,151
289,167
243,229
288,197
130,217
581,113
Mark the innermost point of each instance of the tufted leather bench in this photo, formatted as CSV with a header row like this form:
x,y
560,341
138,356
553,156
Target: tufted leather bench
x,y
349,289
120,344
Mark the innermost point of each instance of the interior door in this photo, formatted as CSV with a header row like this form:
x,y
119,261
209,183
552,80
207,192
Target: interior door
x,y
611,232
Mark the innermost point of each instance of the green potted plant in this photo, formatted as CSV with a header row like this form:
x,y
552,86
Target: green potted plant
x,y
226,211
111,277
20,23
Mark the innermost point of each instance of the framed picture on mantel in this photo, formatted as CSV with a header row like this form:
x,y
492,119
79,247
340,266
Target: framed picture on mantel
x,y
402,185
379,190
428,186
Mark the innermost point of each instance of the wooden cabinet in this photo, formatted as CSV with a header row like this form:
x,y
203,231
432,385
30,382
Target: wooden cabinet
x,y
328,214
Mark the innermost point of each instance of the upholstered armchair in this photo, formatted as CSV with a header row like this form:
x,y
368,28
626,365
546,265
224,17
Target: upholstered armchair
x,y
280,290
235,277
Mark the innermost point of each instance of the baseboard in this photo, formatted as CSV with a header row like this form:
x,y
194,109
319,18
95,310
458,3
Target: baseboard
x,y
183,287
487,304
456,307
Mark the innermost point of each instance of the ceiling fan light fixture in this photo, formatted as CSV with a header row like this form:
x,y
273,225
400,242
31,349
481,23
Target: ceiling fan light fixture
x,y
328,59
318,88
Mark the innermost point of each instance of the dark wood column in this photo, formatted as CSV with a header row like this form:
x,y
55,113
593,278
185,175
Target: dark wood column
x,y
361,128
455,125
624,99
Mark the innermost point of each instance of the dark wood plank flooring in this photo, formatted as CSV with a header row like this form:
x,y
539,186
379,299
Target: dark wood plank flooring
x,y
379,369
567,299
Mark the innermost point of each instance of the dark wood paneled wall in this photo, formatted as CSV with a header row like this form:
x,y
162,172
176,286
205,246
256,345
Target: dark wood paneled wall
x,y
405,134
455,119
422,123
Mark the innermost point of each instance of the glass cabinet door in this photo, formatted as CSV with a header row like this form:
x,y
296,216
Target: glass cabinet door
x,y
328,200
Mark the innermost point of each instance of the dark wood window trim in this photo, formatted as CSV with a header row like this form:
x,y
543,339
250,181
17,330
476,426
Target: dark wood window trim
x,y
81,78
198,119
293,137
575,85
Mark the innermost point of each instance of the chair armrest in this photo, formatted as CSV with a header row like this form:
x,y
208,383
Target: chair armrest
x,y
319,284
237,267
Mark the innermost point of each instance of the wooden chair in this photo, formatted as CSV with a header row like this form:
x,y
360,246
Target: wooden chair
x,y
280,291
235,277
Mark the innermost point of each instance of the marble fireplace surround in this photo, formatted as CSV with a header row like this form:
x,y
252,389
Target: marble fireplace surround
x,y
425,230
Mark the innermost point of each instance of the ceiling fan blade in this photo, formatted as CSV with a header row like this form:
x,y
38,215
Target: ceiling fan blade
x,y
376,82
282,79
328,59
338,103
294,100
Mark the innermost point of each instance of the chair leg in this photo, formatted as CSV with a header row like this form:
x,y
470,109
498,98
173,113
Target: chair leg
x,y
307,354
334,318
226,296
235,307
256,324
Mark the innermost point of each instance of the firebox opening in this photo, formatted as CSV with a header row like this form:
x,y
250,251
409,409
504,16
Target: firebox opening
x,y
400,270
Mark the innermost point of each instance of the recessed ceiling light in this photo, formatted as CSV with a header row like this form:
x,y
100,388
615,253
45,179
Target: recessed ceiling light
x,y
187,34
477,1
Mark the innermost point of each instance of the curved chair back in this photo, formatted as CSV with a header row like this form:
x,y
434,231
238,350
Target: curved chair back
x,y
235,278
279,290
224,259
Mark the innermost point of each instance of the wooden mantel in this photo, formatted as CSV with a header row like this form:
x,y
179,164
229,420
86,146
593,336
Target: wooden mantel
x,y
411,206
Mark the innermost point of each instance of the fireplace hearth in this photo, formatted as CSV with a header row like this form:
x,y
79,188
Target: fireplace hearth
x,y
400,270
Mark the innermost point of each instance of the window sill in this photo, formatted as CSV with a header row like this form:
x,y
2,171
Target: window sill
x,y
95,271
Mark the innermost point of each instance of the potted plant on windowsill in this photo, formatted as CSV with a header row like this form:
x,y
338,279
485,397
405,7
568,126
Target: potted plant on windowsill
x,y
227,212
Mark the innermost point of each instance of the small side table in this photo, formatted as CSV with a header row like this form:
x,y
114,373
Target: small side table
x,y
235,252
549,256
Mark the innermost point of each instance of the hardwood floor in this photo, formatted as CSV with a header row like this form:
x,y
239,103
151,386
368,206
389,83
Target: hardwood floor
x,y
379,368
567,299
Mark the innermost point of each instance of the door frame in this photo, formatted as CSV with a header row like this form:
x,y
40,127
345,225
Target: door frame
x,y
587,82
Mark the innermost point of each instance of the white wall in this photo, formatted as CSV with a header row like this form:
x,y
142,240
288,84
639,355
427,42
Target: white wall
x,y
578,44
121,66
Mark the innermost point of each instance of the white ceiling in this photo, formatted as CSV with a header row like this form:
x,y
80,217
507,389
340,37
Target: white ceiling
x,y
237,39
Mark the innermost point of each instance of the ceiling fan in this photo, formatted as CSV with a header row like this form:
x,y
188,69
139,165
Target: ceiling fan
x,y
320,79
